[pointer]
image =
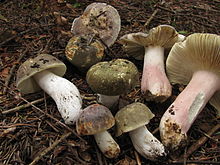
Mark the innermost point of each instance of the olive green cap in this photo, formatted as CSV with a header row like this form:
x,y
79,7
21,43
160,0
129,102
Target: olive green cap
x,y
131,117
113,78
25,82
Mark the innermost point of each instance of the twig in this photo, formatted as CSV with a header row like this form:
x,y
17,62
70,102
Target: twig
x,y
137,158
200,142
153,14
12,70
48,115
22,107
99,157
44,152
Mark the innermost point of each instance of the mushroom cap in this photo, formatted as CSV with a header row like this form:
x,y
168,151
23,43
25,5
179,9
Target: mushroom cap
x,y
84,51
113,78
25,81
163,35
98,19
131,117
94,119
200,51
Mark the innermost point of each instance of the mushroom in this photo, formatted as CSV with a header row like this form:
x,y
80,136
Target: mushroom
x,y
95,120
196,62
84,51
98,19
44,72
110,79
154,83
133,118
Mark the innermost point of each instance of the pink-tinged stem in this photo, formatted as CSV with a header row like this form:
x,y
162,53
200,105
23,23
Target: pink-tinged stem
x,y
154,80
179,117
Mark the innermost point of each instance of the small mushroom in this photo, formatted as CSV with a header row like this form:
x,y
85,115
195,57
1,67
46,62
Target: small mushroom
x,y
196,62
84,51
45,72
133,118
98,19
111,79
150,47
95,120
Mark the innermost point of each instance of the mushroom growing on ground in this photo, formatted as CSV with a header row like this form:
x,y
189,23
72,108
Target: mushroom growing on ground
x,y
44,72
95,120
150,47
84,51
196,62
133,118
98,19
111,79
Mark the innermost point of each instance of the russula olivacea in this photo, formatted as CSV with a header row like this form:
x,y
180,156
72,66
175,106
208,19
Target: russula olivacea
x,y
194,62
133,118
110,79
98,19
84,51
150,47
95,120
45,72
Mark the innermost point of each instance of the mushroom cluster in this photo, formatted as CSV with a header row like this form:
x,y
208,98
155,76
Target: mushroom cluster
x,y
190,61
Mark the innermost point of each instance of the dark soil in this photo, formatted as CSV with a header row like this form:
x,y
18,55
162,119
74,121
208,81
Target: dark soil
x,y
31,27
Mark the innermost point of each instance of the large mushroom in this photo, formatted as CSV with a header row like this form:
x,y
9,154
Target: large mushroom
x,y
150,47
95,120
133,118
196,62
98,19
110,79
45,72
84,51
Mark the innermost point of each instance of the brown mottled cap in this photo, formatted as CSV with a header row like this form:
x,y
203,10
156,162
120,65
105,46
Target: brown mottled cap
x,y
98,19
113,78
94,119
84,51
162,35
25,82
200,51
132,117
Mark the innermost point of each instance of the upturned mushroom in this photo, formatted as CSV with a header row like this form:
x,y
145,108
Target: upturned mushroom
x,y
110,79
150,47
196,62
95,120
45,72
84,51
133,118
98,19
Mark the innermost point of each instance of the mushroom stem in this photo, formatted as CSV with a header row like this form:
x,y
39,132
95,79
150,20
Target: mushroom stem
x,y
154,79
108,101
179,117
64,93
146,144
107,144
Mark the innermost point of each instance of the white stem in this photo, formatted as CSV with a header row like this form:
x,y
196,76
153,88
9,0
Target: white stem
x,y
65,94
107,144
108,101
181,114
146,144
154,78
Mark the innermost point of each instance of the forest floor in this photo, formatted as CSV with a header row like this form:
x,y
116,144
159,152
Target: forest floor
x,y
35,134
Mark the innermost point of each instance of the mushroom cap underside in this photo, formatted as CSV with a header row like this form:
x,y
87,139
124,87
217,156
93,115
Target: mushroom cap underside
x,y
84,51
200,51
162,35
98,19
132,117
113,78
94,119
25,82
